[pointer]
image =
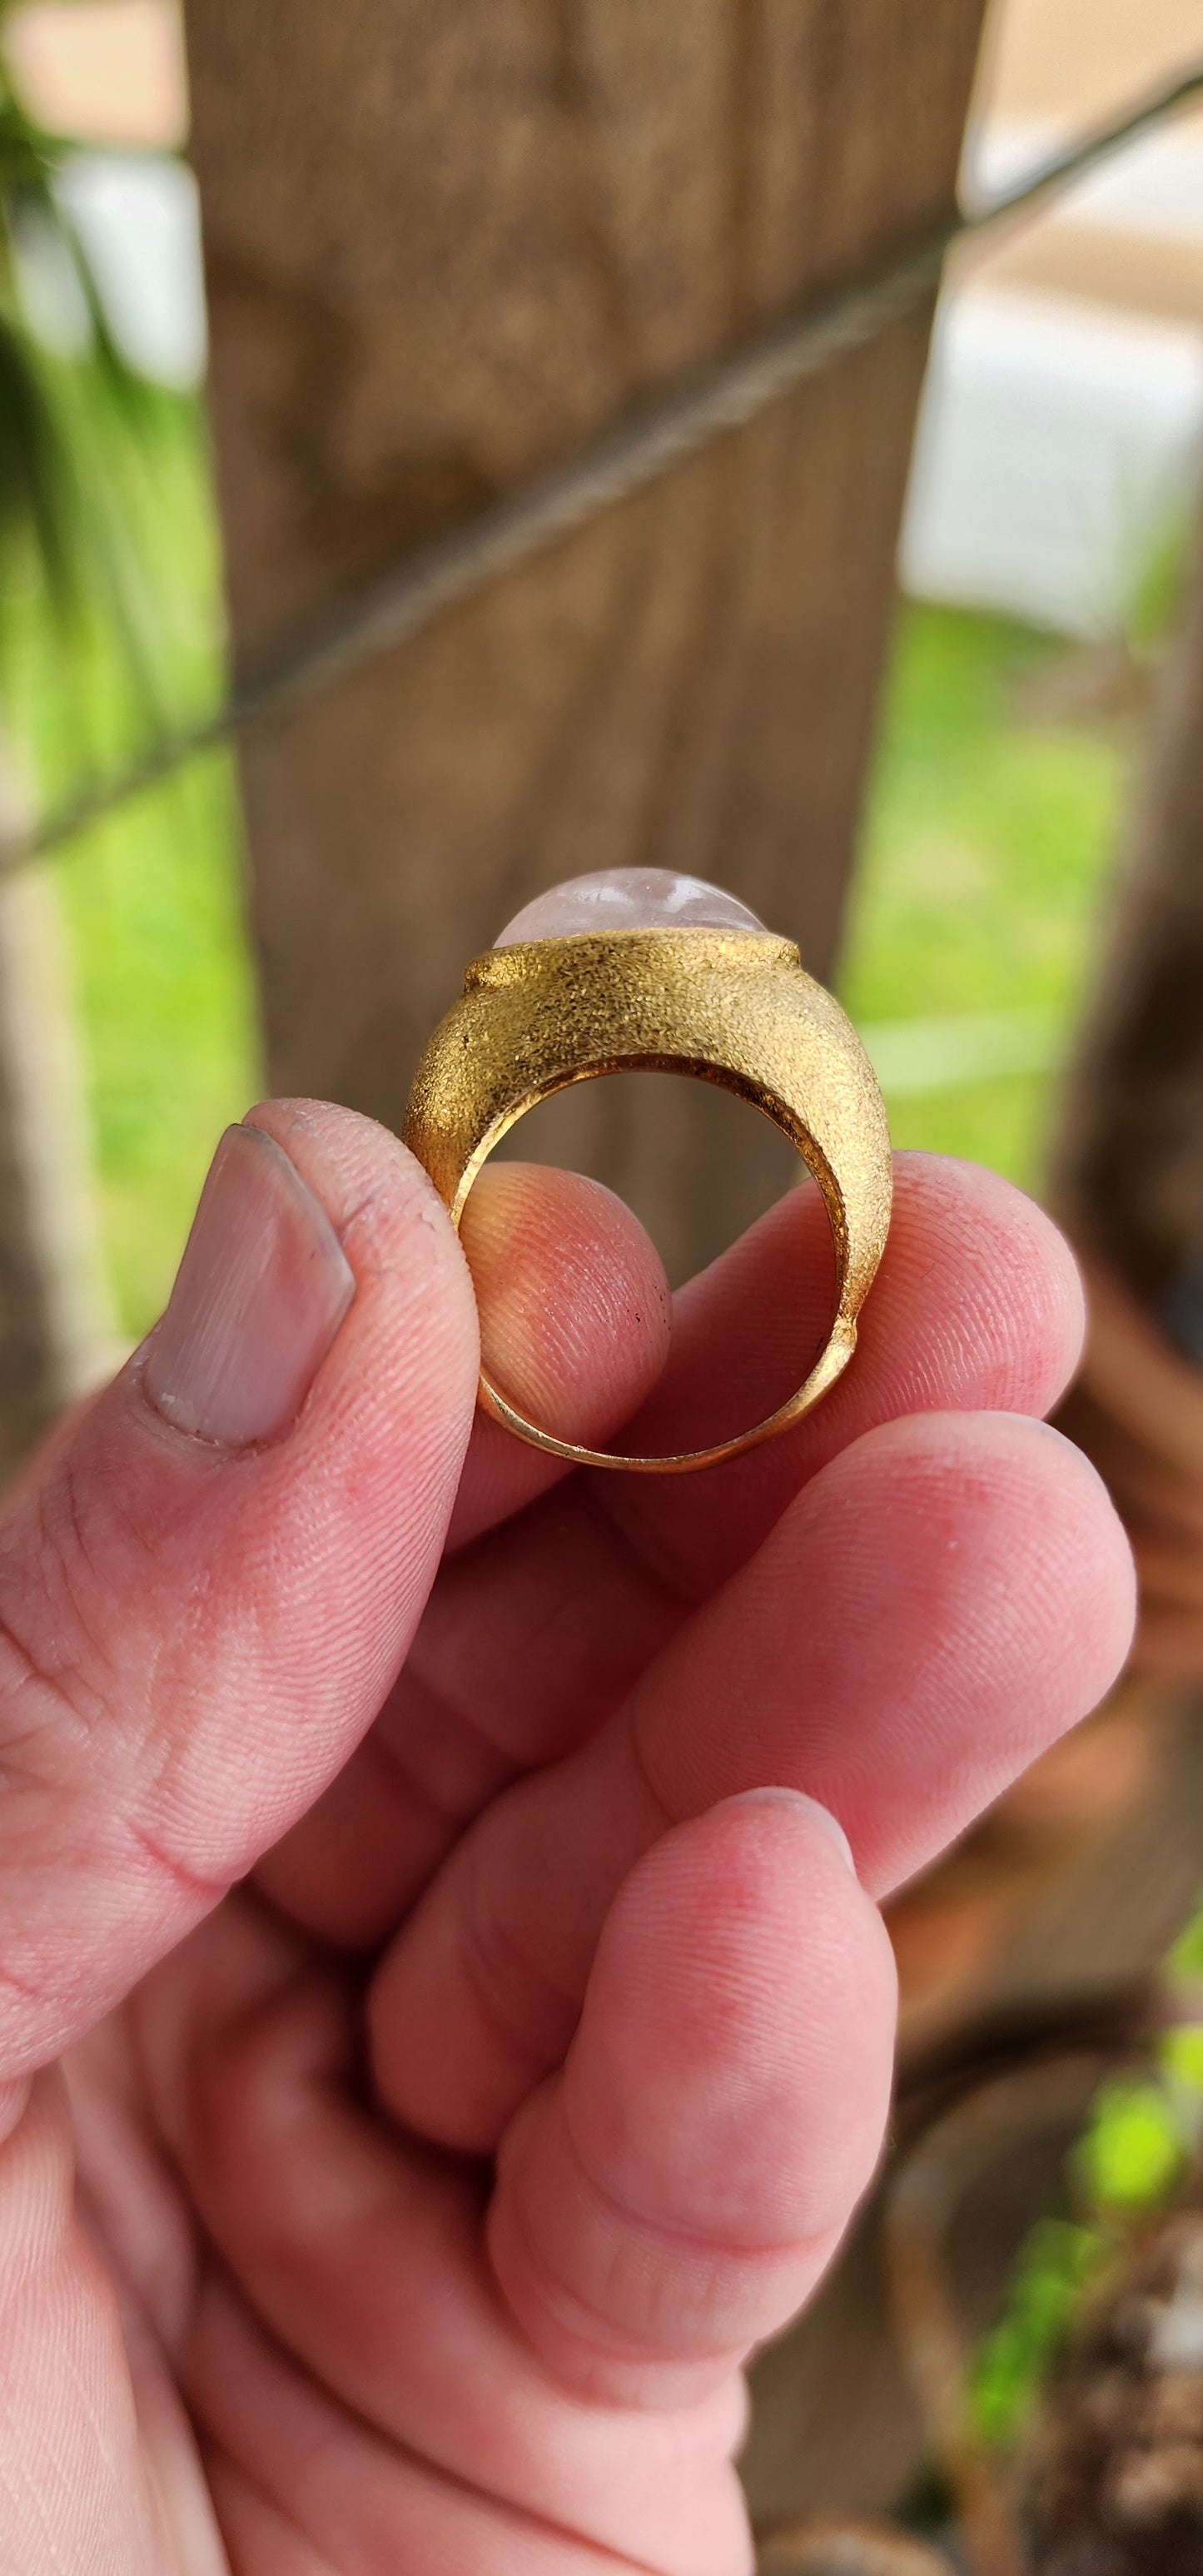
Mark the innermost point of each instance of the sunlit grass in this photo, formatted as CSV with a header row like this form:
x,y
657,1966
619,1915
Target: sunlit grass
x,y
151,898
1141,2133
988,843
153,907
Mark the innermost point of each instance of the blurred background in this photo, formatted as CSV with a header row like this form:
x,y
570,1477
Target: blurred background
x,y
1041,548
436,262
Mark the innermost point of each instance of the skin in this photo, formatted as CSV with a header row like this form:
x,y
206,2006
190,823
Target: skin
x,y
440,2032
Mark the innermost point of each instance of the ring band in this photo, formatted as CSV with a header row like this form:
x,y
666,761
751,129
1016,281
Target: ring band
x,y
732,1007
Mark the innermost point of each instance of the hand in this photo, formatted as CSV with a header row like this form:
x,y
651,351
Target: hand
x,y
430,2188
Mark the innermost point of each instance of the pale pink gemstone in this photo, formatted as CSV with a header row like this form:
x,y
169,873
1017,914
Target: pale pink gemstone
x,y
628,899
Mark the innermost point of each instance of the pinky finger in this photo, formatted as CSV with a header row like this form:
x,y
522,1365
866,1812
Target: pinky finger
x,y
672,2197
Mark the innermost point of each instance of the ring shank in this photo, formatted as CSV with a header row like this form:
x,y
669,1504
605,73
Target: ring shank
x,y
734,1009
833,1358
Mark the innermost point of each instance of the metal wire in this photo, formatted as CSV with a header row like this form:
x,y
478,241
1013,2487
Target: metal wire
x,y
398,602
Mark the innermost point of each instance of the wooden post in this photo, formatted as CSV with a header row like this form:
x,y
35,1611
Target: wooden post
x,y
444,247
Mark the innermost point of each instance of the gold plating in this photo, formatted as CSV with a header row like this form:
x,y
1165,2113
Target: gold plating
x,y
732,1007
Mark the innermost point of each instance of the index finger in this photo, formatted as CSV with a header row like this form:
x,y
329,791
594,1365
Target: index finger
x,y
978,1302
535,1630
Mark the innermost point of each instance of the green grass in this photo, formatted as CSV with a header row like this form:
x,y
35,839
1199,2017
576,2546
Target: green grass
x,y
153,909
1127,2166
152,898
987,839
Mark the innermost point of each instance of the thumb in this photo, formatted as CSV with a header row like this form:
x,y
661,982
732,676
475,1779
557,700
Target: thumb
x,y
209,1578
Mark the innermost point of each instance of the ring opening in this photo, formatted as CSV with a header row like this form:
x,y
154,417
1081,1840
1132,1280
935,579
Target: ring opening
x,y
755,1340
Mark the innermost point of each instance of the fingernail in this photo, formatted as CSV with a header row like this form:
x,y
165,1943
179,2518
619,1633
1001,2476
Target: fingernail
x,y
797,1798
259,1295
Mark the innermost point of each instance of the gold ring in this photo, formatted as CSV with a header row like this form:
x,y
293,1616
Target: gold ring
x,y
678,979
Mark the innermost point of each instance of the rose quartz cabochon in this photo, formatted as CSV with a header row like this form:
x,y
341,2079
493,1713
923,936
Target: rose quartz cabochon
x,y
628,899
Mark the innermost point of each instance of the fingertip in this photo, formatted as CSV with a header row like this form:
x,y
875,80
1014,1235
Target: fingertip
x,y
980,1595
798,1801
671,2200
1104,1554
1012,1485
995,1277
1068,1544
261,1292
369,1183
740,1950
573,1301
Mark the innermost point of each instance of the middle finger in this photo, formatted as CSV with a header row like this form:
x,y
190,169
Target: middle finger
x,y
943,1601
537,1627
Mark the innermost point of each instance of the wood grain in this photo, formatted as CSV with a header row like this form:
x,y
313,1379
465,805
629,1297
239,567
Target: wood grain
x,y
445,247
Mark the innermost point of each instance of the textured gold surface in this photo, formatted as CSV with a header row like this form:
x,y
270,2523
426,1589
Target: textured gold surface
x,y
725,1006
